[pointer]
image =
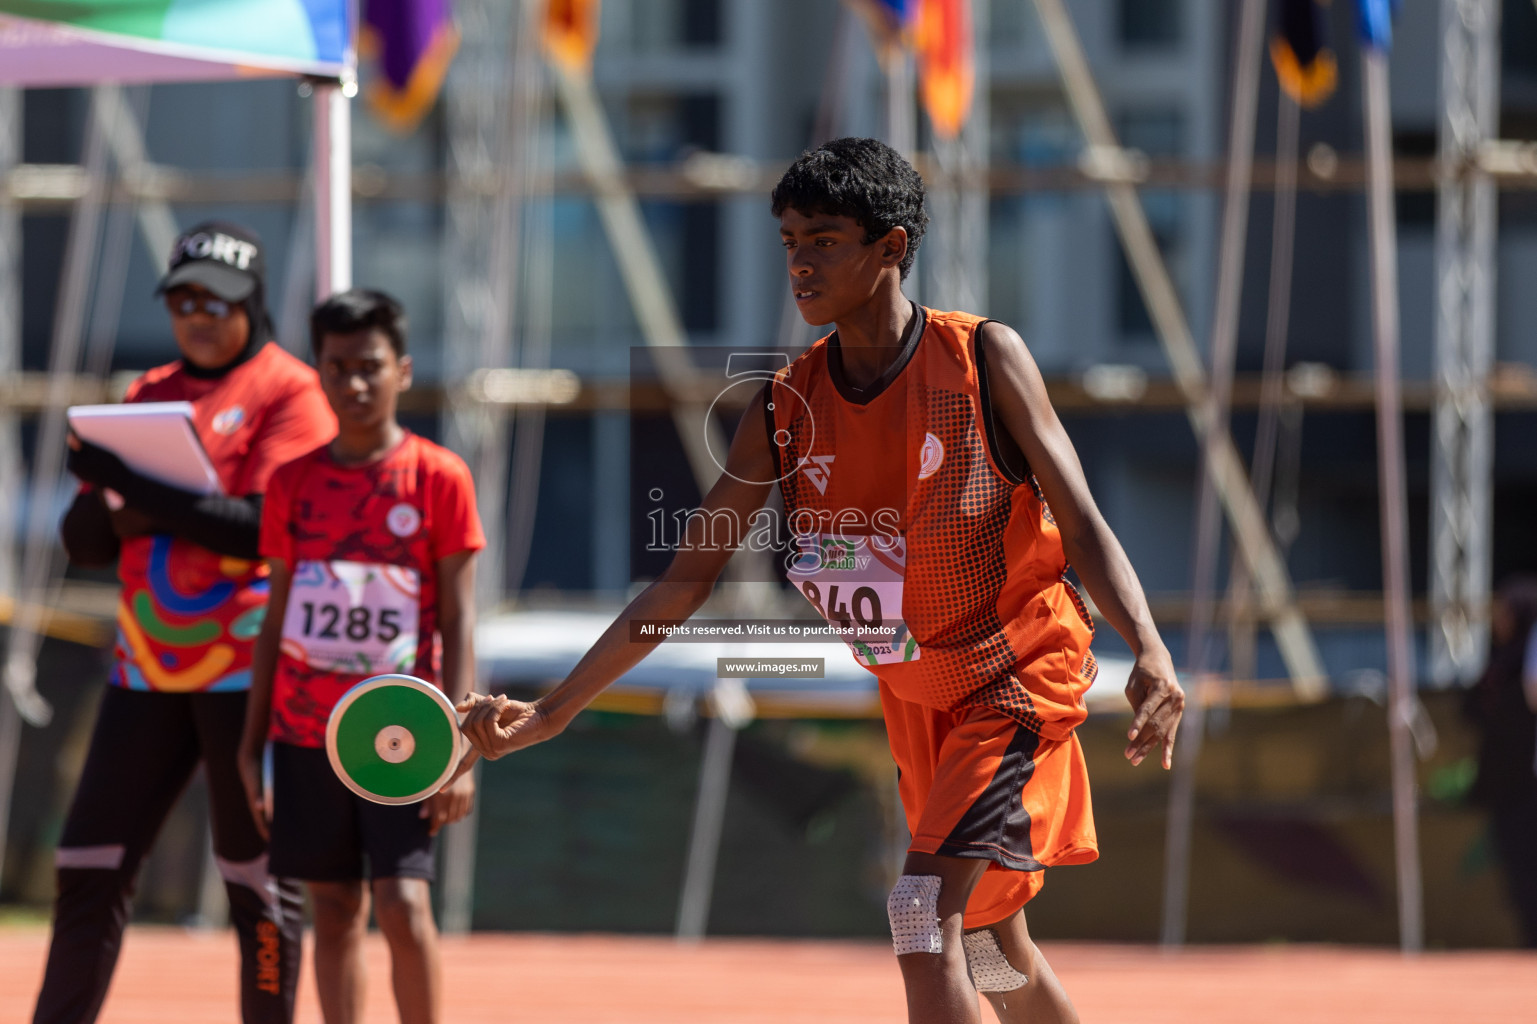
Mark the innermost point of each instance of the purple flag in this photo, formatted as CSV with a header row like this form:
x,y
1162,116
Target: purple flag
x,y
411,43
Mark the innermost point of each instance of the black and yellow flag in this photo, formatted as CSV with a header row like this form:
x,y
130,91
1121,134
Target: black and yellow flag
x,y
1300,51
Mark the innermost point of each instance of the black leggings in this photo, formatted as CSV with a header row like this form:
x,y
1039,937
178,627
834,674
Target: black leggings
x,y
1514,825
143,752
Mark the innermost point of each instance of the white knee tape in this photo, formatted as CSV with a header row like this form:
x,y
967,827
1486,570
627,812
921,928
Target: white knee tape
x,y
913,908
990,969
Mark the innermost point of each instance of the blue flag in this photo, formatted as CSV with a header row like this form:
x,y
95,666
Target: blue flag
x,y
888,21
1374,19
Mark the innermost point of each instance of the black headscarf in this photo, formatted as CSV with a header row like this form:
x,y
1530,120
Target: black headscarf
x,y
255,306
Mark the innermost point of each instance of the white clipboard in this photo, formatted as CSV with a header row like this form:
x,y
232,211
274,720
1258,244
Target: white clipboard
x,y
155,439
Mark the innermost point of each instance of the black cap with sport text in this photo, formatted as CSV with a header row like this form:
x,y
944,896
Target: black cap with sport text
x,y
225,258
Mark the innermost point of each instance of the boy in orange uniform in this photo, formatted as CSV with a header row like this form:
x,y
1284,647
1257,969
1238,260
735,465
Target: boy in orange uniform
x,y
935,500
371,541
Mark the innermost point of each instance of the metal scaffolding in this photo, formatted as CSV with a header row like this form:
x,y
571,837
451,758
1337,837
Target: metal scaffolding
x,y
486,105
955,252
479,244
1462,438
1218,399
494,105
1119,172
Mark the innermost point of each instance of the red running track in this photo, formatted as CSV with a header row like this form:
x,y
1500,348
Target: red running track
x,y
171,976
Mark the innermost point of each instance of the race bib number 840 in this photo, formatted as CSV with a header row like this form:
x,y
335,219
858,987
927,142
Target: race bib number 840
x,y
353,617
855,583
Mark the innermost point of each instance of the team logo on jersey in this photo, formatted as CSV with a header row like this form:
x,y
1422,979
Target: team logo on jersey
x,y
819,473
228,421
403,520
932,455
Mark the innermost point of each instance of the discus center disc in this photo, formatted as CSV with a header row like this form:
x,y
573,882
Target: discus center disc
x,y
393,739
394,743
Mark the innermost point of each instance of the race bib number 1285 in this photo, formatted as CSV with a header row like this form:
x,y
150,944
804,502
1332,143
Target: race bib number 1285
x,y
353,617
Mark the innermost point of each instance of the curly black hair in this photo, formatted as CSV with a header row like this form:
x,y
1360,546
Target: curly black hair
x,y
860,178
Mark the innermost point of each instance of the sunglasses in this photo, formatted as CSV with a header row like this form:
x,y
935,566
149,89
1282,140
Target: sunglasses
x,y
186,305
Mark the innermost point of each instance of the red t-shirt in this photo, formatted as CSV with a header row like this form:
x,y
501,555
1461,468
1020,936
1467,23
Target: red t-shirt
x,y
187,616
363,543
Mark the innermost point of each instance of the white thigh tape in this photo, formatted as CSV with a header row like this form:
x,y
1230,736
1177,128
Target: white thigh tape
x,y
990,969
913,908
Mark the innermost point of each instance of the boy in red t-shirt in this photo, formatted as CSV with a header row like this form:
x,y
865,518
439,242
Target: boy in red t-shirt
x,y
376,529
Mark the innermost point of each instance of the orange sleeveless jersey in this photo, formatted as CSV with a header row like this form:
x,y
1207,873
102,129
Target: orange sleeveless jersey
x,y
907,526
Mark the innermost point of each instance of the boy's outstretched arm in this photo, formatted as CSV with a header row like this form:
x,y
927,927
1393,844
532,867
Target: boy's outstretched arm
x,y
258,708
456,625
498,726
1021,404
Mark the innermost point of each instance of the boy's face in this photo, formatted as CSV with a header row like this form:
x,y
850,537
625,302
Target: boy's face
x,y
832,271
361,376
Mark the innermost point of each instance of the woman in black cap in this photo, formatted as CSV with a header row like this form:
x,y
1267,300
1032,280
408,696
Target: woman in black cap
x,y
193,596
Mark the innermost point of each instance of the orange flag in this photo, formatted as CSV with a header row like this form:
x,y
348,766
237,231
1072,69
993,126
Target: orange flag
x,y
946,67
1299,49
571,33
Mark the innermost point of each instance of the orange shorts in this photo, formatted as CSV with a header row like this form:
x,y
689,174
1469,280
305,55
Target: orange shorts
x,y
976,783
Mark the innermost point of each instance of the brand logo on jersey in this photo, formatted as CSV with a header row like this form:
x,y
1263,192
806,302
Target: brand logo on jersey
x,y
932,455
403,520
819,473
228,421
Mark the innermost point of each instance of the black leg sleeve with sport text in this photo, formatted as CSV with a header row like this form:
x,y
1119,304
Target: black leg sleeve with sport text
x,y
143,751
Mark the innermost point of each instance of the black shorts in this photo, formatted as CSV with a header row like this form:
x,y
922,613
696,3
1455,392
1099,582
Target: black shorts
x,y
321,831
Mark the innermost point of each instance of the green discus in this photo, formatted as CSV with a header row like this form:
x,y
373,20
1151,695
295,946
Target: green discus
x,y
394,739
